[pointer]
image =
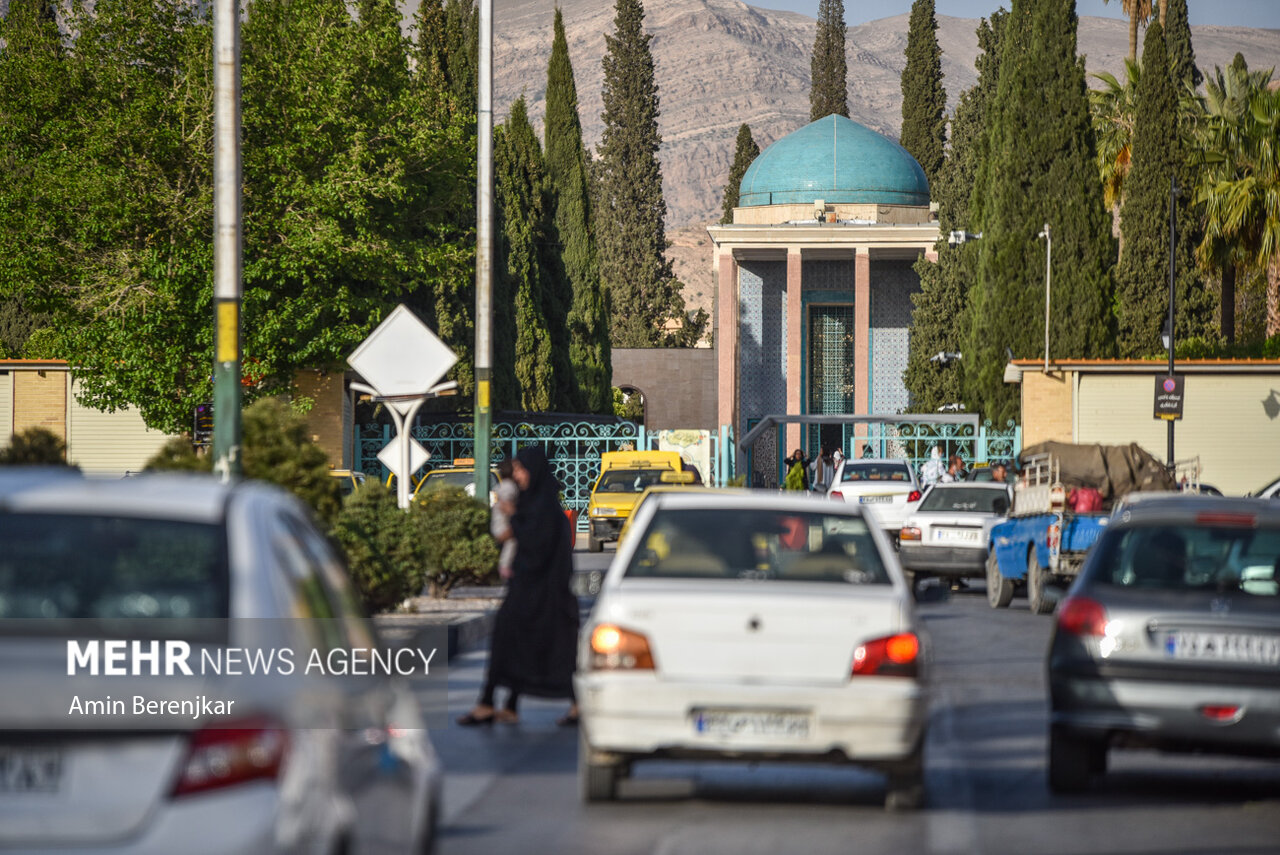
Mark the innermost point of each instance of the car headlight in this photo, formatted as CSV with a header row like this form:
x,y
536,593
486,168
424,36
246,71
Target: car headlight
x,y
603,512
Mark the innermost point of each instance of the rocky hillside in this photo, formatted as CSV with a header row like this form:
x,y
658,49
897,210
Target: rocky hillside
x,y
722,62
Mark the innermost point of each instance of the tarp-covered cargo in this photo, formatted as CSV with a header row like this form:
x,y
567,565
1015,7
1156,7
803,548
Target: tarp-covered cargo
x,y
1113,470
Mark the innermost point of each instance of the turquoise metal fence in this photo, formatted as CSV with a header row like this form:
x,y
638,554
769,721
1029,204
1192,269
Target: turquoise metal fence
x,y
573,448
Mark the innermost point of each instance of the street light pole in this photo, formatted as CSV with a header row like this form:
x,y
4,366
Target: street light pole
x,y
1048,264
1173,240
484,251
226,237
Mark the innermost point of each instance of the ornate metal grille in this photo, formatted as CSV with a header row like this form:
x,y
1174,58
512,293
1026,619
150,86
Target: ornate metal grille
x,y
831,369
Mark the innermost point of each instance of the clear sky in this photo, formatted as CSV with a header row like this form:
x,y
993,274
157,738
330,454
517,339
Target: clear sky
x,y
1235,13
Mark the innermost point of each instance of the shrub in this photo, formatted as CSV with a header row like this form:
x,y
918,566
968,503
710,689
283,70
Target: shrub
x,y
35,446
275,448
456,529
387,549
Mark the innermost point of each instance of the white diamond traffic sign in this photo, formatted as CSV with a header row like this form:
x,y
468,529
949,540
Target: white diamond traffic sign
x,y
390,455
402,356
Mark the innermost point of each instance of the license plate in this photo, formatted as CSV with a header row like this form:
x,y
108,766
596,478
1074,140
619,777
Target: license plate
x,y
788,725
957,535
30,770
1224,647
876,500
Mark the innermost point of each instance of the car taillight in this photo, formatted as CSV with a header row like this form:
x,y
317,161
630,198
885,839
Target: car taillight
x,y
220,757
836,494
617,649
909,532
891,656
1226,520
1083,617
913,496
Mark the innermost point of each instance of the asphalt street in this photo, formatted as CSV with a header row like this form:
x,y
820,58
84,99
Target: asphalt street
x,y
513,788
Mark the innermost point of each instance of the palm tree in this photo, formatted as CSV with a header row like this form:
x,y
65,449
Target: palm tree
x,y
1113,122
1139,12
1240,182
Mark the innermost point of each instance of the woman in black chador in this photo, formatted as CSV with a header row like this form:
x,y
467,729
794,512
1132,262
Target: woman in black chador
x,y
535,632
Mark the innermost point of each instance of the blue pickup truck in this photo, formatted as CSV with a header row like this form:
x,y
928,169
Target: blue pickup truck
x,y
1043,543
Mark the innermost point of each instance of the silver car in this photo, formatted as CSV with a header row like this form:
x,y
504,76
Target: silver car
x,y
1170,637
947,534
347,767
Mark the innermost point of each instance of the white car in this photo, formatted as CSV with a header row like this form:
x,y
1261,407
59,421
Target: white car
x,y
948,532
753,627
887,486
311,765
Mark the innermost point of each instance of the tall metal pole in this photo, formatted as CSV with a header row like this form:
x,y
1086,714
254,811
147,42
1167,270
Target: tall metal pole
x,y
1048,267
226,237
484,252
1173,240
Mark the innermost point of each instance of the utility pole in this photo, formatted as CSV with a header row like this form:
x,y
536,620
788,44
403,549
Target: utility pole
x,y
484,251
226,237
1173,241
1048,267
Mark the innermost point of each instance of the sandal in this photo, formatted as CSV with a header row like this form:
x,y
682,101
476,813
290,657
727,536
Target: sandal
x,y
506,717
472,720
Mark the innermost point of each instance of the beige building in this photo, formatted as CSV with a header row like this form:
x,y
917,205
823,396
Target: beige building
x,y
1230,417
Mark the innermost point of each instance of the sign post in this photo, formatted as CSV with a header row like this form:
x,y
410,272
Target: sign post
x,y
403,361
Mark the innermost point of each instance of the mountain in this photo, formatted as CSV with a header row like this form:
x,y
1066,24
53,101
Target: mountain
x,y
720,63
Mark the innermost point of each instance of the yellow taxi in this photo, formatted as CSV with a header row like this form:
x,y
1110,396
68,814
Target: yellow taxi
x,y
348,479
461,474
671,482
624,476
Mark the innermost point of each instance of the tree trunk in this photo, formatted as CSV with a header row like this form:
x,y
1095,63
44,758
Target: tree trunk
x,y
1273,296
1133,35
1227,318
1164,10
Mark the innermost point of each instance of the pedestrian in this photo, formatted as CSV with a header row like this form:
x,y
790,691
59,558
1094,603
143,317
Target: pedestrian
x,y
824,470
955,471
932,471
797,471
500,518
533,647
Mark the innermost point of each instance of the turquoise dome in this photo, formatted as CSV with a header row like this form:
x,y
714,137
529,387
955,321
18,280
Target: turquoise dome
x,y
837,160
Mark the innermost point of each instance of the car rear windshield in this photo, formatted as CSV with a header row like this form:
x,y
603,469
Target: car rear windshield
x,y
966,500
629,480
875,472
787,546
461,479
62,566
1192,558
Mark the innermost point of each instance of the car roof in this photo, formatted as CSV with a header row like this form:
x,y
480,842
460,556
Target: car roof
x,y
754,500
1186,509
971,485
878,460
193,497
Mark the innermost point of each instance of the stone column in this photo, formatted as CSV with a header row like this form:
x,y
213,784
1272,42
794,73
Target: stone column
x,y
727,342
861,338
795,319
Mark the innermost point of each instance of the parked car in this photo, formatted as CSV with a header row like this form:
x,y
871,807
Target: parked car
x,y
947,533
887,486
1270,491
349,480
753,627
1169,638
313,765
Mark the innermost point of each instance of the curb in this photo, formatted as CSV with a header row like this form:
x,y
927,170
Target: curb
x,y
466,631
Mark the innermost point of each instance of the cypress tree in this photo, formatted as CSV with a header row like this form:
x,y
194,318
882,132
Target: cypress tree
x,y
1040,169
462,49
1142,278
939,318
518,183
1178,42
829,70
643,293
744,152
924,102
588,323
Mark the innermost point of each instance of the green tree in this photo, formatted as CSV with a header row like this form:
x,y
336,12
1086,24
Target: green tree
x,y
745,150
1177,31
924,102
1114,109
518,195
1040,170
35,446
566,162
829,69
1223,135
1159,155
939,318
643,293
